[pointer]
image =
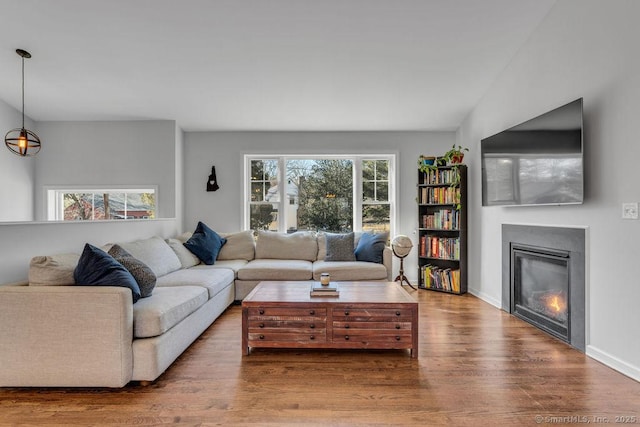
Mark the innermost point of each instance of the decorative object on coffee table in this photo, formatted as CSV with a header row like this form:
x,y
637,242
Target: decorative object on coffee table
x,y
401,247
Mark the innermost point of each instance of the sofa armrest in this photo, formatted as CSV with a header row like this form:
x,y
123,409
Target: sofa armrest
x,y
58,336
387,261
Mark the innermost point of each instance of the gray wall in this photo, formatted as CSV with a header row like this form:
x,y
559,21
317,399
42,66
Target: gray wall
x,y
222,210
92,153
17,174
108,153
584,48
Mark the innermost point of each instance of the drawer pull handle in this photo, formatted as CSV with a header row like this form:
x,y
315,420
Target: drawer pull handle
x,y
261,325
346,313
312,312
312,337
312,326
397,326
261,337
346,337
261,311
397,313
346,326
398,338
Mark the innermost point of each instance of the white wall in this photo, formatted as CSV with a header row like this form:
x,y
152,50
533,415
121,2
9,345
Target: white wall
x,y
589,49
108,153
222,209
17,174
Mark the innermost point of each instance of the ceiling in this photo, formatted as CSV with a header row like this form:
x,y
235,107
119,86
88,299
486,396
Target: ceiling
x,y
261,64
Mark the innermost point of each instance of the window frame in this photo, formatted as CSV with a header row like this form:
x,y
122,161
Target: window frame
x,y
54,205
358,196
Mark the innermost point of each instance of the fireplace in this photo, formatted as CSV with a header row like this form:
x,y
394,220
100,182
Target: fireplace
x,y
543,279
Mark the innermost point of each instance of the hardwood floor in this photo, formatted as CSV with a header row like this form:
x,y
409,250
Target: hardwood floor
x,y
477,366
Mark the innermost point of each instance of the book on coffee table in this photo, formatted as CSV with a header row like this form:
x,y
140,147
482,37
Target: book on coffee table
x,y
330,290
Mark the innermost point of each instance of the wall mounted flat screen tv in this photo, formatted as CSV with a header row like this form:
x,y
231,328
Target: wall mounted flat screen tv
x,y
538,162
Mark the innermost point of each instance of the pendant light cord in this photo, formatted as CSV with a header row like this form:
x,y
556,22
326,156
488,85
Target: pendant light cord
x,y
23,92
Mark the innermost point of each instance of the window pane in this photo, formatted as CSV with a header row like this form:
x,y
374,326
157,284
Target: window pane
x,y
368,191
375,218
382,193
79,206
257,191
263,217
368,170
106,204
382,169
325,194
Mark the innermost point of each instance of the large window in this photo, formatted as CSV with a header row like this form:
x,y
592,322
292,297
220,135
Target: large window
x,y
91,204
329,193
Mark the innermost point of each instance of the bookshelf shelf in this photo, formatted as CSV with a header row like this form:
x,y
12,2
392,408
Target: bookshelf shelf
x,y
442,229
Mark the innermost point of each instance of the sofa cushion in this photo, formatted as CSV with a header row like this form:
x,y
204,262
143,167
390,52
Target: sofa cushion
x,y
371,246
167,307
154,252
96,267
186,257
276,269
240,245
301,245
322,243
145,277
213,279
205,243
349,270
53,270
339,247
233,264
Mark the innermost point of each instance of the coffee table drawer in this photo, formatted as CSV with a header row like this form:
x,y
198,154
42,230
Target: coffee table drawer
x,y
389,338
275,312
372,314
292,336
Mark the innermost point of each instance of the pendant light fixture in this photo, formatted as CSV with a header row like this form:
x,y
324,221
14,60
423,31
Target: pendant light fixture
x,y
22,141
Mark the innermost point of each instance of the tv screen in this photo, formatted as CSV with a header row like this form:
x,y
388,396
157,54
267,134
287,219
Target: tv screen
x,y
538,162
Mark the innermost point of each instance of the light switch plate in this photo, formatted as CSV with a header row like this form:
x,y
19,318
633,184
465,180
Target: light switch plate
x,y
630,210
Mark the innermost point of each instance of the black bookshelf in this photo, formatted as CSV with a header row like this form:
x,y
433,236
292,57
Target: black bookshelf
x,y
442,229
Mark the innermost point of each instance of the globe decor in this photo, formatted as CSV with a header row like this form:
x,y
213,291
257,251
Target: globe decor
x,y
401,246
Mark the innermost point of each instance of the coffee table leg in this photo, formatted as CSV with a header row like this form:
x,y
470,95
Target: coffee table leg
x,y
245,331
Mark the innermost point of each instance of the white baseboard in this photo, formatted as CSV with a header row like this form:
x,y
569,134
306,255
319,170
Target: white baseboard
x,y
485,297
613,362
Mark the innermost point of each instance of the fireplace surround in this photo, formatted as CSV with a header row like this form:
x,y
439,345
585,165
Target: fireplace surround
x,y
543,279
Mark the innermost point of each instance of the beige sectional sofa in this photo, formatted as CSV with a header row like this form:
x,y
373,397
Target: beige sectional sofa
x,y
55,335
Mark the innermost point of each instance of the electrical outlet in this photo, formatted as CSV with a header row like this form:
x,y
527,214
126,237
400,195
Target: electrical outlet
x,y
630,210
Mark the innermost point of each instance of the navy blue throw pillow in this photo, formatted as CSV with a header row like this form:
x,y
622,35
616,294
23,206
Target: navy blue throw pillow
x,y
371,246
96,267
205,244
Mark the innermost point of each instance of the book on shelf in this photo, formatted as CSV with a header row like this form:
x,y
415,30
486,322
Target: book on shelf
x,y
439,195
439,247
441,176
445,279
443,219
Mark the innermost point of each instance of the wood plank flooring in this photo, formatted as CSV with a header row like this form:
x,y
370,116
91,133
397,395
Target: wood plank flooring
x,y
478,366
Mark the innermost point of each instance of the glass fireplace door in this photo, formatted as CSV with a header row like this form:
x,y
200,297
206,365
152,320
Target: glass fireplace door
x,y
540,288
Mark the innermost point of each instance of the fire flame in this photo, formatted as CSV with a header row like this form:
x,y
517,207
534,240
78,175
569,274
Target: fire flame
x,y
556,303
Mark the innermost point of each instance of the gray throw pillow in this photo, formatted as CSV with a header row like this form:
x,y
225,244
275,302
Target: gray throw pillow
x,y
145,277
340,247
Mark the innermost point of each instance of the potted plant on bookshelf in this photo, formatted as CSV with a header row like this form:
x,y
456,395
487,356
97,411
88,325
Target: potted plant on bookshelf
x,y
455,155
427,163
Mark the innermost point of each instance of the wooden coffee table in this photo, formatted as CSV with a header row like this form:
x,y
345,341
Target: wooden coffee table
x,y
366,315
